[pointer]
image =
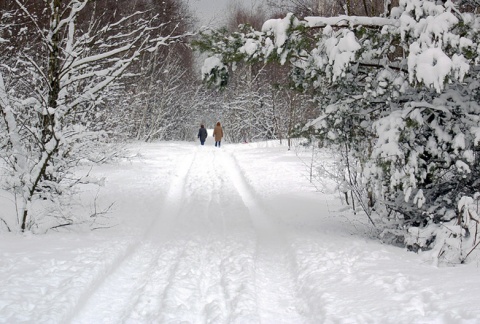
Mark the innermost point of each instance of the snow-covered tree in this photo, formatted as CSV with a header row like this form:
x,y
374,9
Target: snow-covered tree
x,y
399,96
48,89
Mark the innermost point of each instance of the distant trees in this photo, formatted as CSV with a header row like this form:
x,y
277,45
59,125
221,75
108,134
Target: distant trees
x,y
398,97
166,104
156,101
65,59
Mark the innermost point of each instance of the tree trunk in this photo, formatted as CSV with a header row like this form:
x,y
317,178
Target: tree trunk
x,y
48,118
53,75
348,8
365,7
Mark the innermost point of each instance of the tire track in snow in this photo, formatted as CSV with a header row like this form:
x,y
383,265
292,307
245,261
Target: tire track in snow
x,y
275,285
205,286
173,274
145,299
123,276
238,262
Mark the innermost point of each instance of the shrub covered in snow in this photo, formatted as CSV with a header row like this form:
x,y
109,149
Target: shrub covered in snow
x,y
50,87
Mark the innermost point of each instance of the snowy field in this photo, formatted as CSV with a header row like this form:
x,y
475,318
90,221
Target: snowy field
x,y
230,235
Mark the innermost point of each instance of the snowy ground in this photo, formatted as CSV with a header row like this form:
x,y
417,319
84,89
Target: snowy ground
x,y
230,235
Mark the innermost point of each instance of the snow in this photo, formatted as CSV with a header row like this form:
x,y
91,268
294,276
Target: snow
x,y
211,63
349,21
230,235
431,66
341,52
280,30
279,27
249,48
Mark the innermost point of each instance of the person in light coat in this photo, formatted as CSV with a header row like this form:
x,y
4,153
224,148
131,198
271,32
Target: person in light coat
x,y
218,134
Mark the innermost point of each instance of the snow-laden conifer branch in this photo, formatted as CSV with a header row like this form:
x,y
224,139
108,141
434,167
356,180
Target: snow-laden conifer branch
x,y
350,21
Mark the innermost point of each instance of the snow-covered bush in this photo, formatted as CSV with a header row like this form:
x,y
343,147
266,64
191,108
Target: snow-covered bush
x,y
398,96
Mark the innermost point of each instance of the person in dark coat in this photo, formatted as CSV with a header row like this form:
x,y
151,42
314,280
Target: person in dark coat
x,y
218,134
202,134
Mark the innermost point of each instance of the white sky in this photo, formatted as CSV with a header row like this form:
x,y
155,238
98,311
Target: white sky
x,y
215,11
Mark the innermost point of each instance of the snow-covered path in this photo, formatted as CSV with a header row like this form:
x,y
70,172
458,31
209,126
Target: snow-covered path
x,y
230,235
208,256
